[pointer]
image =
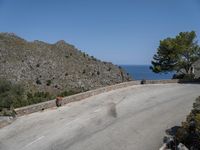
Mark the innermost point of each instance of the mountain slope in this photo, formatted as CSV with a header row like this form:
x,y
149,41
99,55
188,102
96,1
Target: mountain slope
x,y
53,68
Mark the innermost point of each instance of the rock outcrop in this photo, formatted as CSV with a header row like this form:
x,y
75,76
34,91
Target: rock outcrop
x,y
54,68
196,68
187,134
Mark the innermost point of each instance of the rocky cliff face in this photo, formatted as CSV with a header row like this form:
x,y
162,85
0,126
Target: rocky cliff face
x,y
54,68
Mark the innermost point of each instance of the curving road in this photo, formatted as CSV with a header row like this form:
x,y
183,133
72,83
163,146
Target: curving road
x,y
132,118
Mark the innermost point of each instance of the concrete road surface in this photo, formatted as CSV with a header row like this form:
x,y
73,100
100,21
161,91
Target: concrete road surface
x,y
132,118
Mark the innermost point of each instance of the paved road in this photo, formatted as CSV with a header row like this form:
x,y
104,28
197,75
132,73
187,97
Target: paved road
x,y
132,118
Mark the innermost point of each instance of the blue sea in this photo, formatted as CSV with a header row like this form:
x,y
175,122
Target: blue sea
x,y
140,72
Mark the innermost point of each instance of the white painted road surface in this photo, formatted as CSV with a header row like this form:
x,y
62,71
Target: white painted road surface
x,y
131,118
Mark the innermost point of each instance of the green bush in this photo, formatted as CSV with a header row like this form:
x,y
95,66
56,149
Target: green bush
x,y
93,58
187,134
83,71
48,82
14,96
184,76
109,69
38,81
38,97
68,93
11,95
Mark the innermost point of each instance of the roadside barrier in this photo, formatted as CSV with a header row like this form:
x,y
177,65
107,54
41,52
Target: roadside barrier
x,y
77,97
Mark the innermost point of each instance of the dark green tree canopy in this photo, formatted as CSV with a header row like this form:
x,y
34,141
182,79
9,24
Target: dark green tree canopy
x,y
176,54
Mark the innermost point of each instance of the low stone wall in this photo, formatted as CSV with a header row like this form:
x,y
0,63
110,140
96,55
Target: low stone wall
x,y
49,104
161,81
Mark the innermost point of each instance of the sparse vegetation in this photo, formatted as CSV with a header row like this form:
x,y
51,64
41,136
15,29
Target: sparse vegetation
x,y
93,58
84,55
38,81
109,69
11,96
186,136
188,133
68,93
37,97
83,71
48,82
14,96
184,76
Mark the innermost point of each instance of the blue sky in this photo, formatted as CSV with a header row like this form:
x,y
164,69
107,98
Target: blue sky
x,y
120,31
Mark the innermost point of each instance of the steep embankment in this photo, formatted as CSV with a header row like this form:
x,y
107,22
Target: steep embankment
x,y
54,68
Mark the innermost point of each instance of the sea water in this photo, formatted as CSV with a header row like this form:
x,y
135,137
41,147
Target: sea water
x,y
140,72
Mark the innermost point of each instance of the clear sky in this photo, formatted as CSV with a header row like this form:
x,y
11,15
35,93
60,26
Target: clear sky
x,y
120,31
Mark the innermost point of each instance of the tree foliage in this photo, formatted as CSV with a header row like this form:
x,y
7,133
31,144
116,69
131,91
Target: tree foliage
x,y
176,54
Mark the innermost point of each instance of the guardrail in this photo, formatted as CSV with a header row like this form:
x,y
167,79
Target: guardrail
x,y
49,104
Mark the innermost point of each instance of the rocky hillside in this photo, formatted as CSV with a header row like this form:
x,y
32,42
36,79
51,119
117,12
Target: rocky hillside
x,y
53,68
